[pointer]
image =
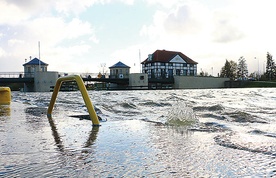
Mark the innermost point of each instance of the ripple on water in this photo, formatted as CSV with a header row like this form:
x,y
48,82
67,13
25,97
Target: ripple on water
x,y
217,107
154,104
210,127
243,117
256,143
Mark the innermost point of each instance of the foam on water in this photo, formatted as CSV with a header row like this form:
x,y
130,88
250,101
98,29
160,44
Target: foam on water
x,y
179,115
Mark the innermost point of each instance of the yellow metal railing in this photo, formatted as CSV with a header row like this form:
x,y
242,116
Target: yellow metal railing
x,y
88,103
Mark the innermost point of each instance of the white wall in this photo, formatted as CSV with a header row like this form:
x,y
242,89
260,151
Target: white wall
x,y
44,80
138,81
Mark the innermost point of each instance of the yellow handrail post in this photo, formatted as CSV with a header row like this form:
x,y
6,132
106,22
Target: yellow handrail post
x,y
88,103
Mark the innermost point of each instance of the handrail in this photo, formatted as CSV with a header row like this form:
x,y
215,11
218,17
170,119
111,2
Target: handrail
x,y
88,103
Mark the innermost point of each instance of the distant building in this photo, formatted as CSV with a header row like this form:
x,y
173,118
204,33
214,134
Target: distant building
x,y
166,64
43,80
119,70
33,66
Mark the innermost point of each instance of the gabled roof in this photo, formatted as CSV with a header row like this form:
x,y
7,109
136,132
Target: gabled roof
x,y
35,61
167,56
119,65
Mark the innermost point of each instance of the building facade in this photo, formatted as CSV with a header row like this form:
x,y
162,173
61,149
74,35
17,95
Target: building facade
x,y
166,64
43,79
119,70
35,65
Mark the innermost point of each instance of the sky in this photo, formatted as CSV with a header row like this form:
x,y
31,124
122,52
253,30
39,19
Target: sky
x,y
88,36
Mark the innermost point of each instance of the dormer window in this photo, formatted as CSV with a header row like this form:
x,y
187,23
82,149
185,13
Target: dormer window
x,y
150,57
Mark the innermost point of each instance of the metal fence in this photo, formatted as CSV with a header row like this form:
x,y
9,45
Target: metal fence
x,y
61,74
12,74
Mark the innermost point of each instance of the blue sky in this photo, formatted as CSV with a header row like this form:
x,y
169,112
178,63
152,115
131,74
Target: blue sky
x,y
82,36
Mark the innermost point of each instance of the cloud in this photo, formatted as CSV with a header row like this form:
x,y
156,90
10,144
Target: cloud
x,y
76,6
156,29
2,52
182,21
179,21
166,3
73,6
225,29
13,42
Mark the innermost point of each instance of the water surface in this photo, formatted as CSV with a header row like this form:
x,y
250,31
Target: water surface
x,y
151,133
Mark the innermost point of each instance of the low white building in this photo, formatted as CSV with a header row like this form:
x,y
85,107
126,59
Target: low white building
x,y
138,81
43,80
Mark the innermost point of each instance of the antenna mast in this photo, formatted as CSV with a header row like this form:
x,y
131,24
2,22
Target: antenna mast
x,y
39,68
140,60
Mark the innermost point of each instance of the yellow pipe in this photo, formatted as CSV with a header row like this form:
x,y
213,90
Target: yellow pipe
x,y
88,103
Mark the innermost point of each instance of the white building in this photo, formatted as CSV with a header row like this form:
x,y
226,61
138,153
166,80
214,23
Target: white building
x,y
43,80
165,64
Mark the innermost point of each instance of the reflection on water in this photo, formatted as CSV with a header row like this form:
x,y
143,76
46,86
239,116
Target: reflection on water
x,y
175,133
91,138
5,110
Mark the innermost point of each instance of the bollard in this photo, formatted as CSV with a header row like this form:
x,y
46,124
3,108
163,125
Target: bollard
x,y
5,95
92,113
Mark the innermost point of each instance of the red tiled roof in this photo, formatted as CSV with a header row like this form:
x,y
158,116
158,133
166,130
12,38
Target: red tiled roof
x,y
166,56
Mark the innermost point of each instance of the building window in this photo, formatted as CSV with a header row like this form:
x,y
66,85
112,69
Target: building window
x,y
152,73
177,71
185,65
185,72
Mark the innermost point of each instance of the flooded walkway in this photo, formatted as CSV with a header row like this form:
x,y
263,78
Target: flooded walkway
x,y
33,146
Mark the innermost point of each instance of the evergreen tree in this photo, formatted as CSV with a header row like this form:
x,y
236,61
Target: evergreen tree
x,y
242,68
270,67
229,70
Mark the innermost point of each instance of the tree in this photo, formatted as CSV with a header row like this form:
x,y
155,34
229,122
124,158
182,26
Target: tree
x,y
203,74
229,70
270,67
242,68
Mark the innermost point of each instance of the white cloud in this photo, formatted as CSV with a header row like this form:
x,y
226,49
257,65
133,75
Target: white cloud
x,y
208,32
13,42
73,6
76,6
156,29
11,14
2,52
166,3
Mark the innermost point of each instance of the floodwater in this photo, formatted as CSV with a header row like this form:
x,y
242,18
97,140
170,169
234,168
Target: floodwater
x,y
150,133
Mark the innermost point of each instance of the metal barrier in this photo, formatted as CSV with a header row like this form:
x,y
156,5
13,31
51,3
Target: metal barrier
x,y
88,103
